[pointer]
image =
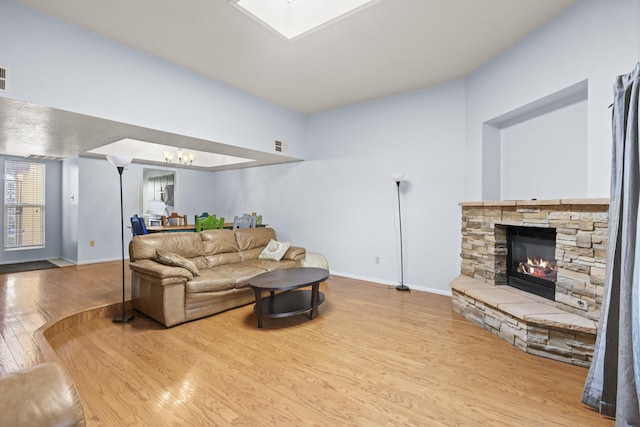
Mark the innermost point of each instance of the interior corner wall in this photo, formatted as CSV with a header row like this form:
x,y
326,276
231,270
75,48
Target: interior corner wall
x,y
70,208
592,40
342,201
491,167
98,217
99,209
56,64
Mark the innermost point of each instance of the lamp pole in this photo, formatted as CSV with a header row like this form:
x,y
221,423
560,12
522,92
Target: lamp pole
x,y
398,177
120,162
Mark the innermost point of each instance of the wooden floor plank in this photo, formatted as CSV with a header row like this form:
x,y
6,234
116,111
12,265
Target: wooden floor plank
x,y
373,356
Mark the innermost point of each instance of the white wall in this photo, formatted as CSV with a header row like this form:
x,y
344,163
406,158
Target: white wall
x,y
70,208
594,40
343,203
56,64
99,204
545,157
343,192
99,209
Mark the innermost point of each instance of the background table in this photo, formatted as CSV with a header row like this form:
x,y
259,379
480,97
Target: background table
x,y
185,228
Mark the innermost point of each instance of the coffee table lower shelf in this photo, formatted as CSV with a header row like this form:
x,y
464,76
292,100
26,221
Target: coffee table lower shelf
x,y
288,303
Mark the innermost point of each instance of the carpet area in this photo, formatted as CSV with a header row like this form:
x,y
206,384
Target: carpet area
x,y
26,266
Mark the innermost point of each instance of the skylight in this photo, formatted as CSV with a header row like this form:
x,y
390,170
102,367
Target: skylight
x,y
295,18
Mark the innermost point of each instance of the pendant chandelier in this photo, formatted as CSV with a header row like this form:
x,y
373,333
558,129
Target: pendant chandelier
x,y
182,157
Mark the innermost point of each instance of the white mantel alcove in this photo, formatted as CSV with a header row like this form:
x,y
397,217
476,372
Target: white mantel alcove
x,y
539,150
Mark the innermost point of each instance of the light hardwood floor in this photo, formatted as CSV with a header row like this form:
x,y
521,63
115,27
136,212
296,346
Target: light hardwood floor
x,y
373,356
33,300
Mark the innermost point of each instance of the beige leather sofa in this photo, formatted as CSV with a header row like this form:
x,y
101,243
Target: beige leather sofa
x,y
43,395
224,260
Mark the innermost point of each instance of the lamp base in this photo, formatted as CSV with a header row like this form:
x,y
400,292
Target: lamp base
x,y
123,317
403,287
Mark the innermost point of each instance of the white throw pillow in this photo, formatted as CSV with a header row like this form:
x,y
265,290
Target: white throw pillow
x,y
274,250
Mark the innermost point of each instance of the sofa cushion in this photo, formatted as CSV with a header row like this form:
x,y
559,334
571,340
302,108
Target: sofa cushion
x,y
211,280
269,265
274,250
176,260
226,258
223,277
189,245
218,242
251,238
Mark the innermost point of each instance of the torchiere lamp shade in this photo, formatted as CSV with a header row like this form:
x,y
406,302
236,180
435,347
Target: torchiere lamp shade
x,y
398,176
120,161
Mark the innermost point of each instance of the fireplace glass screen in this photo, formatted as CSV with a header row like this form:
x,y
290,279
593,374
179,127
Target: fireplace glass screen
x,y
531,264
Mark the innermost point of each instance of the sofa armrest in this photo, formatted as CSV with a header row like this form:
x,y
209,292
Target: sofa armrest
x,y
43,395
295,253
160,271
160,299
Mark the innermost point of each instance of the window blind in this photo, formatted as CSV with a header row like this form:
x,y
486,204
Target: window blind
x,y
24,205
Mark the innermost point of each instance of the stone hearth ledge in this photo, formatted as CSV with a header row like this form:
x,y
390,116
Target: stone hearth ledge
x,y
522,305
529,322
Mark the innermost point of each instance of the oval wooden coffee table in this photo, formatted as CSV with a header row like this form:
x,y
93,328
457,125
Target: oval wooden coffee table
x,y
289,301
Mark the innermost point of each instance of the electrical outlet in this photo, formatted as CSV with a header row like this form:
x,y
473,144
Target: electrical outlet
x,y
582,304
377,260
92,243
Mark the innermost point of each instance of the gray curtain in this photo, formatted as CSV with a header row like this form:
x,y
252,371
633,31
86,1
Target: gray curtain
x,y
613,382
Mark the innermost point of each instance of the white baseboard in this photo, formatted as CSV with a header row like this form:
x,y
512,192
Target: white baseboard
x,y
392,283
96,261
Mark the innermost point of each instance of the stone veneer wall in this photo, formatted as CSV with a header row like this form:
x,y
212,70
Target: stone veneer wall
x,y
581,241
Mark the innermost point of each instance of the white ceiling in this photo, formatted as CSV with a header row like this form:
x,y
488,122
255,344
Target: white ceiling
x,y
391,47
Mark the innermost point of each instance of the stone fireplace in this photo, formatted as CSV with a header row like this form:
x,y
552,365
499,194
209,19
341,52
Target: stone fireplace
x,y
560,324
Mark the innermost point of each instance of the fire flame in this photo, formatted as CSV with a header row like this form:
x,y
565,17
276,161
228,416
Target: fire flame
x,y
539,268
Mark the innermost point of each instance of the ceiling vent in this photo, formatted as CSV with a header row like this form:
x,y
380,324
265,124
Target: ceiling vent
x,y
41,157
3,79
282,147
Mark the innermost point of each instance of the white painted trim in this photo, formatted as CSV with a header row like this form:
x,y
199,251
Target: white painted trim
x,y
392,283
97,261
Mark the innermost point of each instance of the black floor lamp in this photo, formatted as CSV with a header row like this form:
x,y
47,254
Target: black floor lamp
x,y
120,162
398,178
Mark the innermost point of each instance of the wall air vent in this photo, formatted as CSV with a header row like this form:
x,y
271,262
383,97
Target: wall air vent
x,y
282,147
3,79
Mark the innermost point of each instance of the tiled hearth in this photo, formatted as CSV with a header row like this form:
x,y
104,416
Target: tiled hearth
x,y
564,330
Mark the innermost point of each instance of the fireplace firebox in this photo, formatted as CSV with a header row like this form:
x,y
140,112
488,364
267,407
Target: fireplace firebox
x,y
531,260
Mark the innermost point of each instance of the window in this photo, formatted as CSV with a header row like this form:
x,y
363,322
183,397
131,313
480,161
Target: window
x,y
23,205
